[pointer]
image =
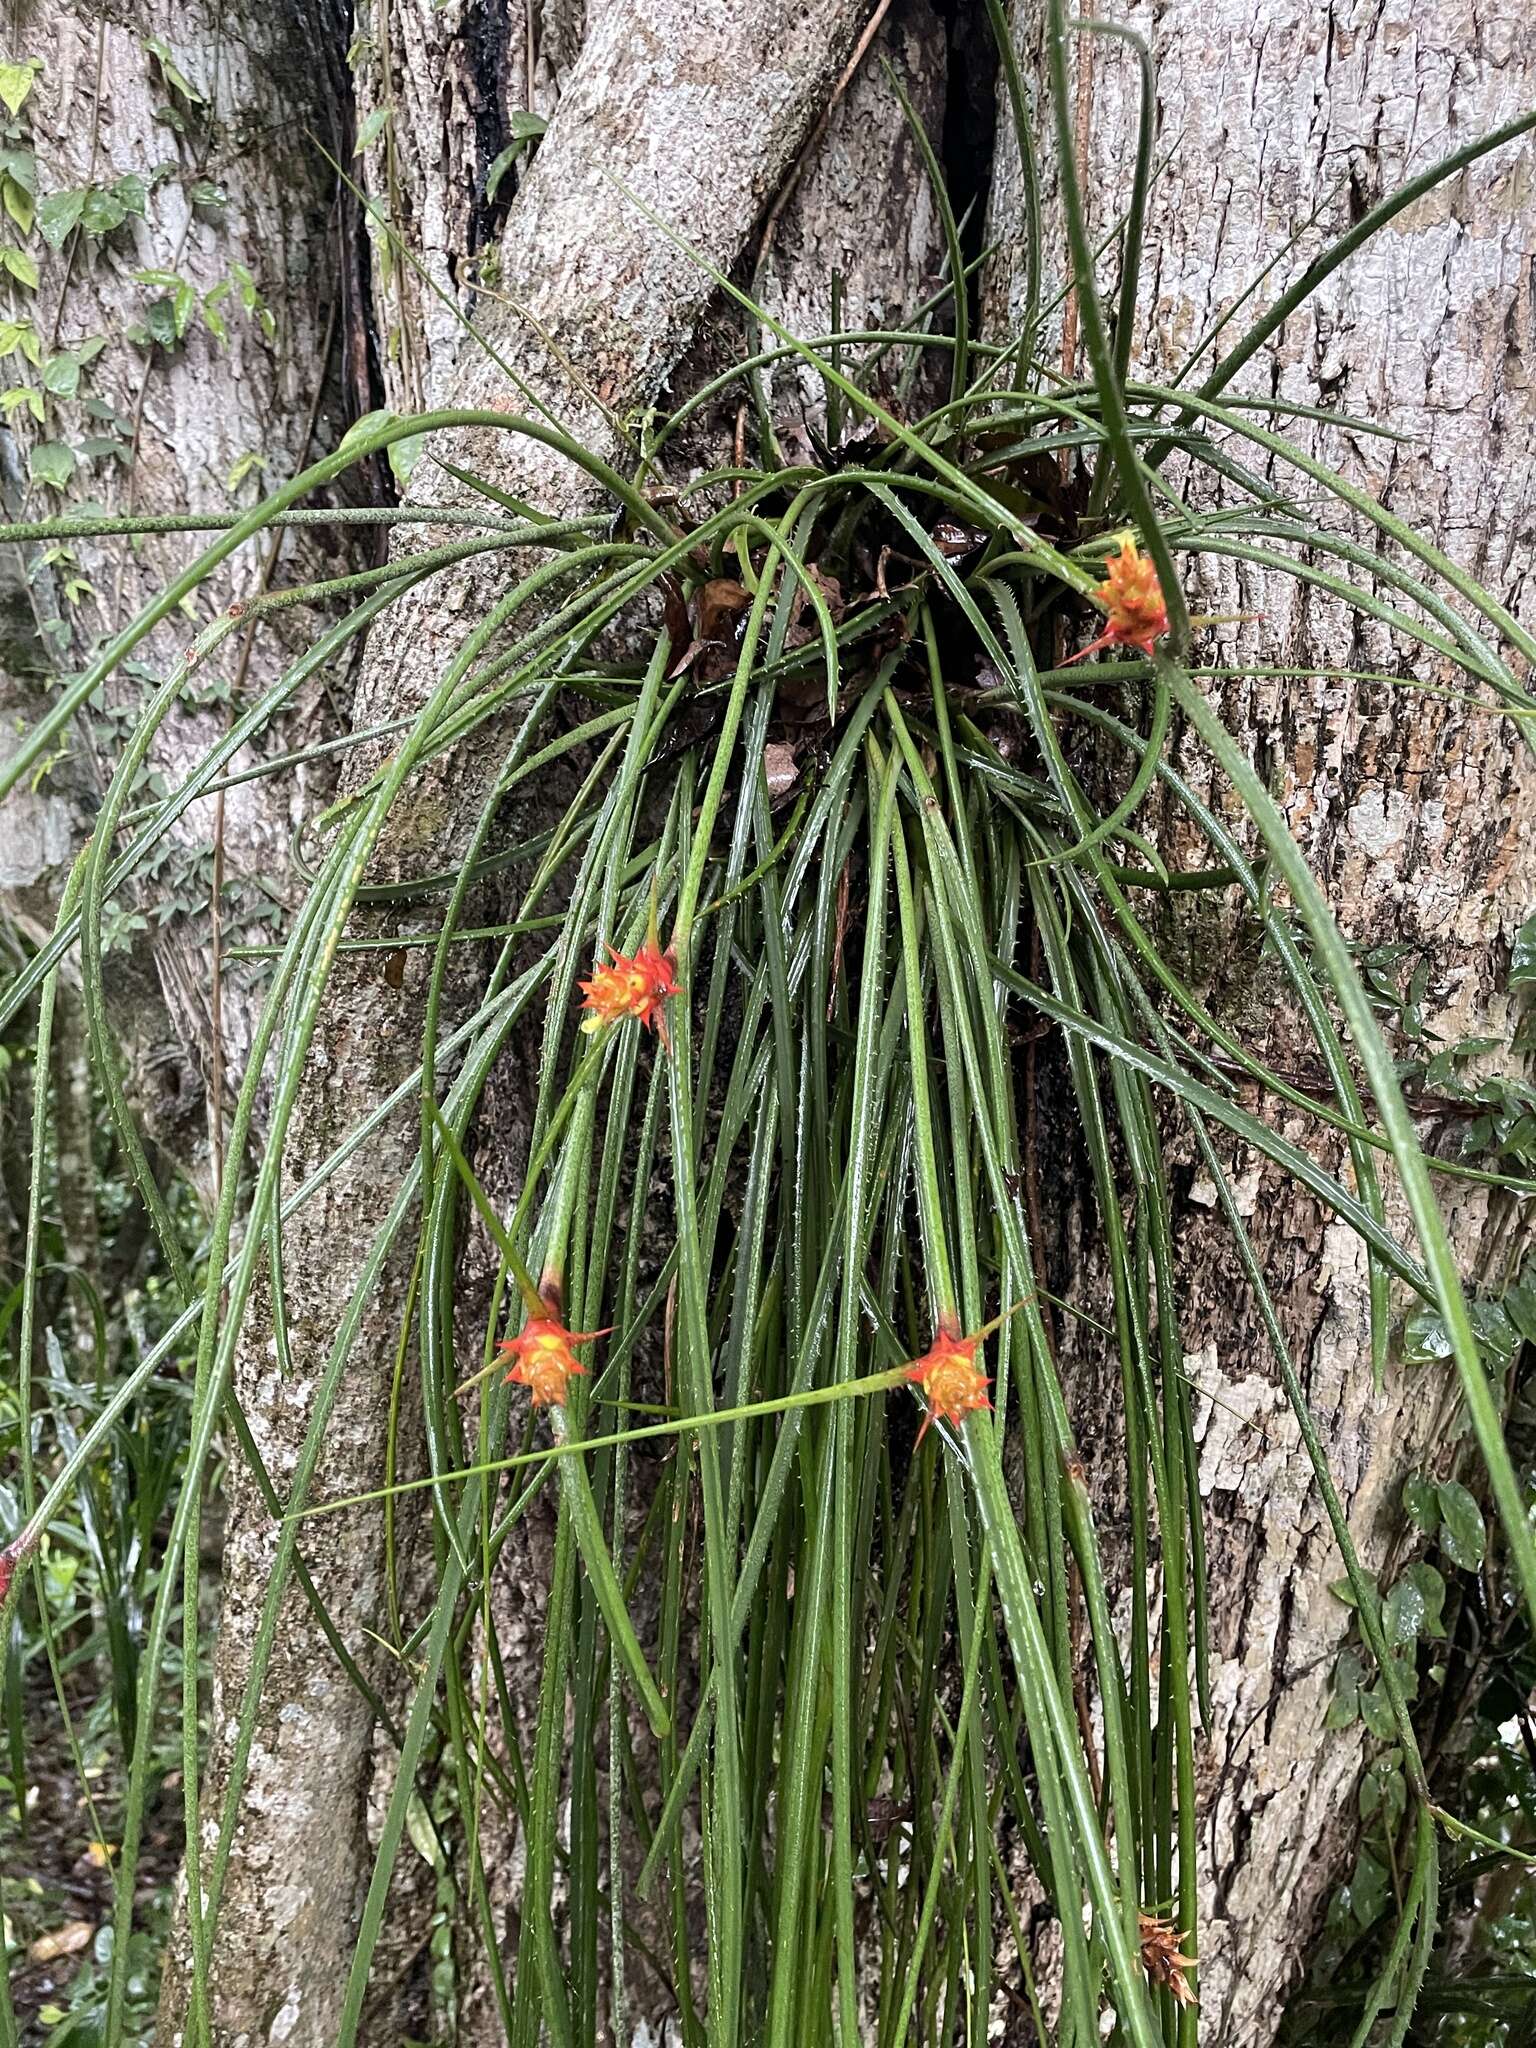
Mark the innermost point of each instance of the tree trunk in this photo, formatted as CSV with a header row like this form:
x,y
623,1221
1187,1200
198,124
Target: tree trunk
x,y
1408,806
1402,800
186,397
701,114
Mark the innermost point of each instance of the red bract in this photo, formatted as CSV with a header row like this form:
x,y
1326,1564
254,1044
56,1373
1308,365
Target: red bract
x,y
950,1378
545,1360
636,985
1133,598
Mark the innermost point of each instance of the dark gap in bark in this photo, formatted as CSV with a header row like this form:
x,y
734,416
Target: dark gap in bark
x,y
488,51
967,143
326,24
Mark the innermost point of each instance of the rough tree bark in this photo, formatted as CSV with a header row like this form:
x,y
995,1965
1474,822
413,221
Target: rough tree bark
x,y
1408,807
233,183
1402,800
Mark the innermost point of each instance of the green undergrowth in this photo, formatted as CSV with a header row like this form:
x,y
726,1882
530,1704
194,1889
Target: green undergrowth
x,y
825,1713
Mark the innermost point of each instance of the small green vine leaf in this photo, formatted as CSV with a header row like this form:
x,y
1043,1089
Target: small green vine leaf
x,y
17,81
52,463
21,337
1421,1503
172,73
243,466
1522,966
1462,1536
371,129
20,265
59,215
1404,1612
22,395
403,456
524,129
18,186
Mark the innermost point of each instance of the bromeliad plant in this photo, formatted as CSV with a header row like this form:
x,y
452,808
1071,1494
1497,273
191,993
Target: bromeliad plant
x,y
863,1671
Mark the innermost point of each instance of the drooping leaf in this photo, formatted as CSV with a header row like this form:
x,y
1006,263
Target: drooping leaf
x,y
1431,1589
132,194
61,374
1421,1503
1497,1337
20,202
1462,1535
371,129
52,463
1520,1304
369,423
1344,1705
21,265
243,466
1402,1613
404,455
172,72
17,81
1425,1340
58,214
21,337
161,322
524,129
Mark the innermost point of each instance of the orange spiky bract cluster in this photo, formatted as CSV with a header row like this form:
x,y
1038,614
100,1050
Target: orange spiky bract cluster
x,y
636,985
1162,1959
1133,598
949,1376
545,1360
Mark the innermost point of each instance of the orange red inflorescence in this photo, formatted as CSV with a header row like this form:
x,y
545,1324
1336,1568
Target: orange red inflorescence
x,y
1133,599
636,985
950,1378
545,1360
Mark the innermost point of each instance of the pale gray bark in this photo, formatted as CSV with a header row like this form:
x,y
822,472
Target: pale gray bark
x,y
1408,806
188,416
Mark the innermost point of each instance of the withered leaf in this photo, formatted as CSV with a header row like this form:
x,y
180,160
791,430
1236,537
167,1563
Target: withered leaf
x,y
67,1940
955,540
781,771
720,608
718,602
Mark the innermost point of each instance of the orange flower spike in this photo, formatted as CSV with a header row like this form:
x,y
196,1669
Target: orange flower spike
x,y
636,985
1133,598
545,1360
950,1378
